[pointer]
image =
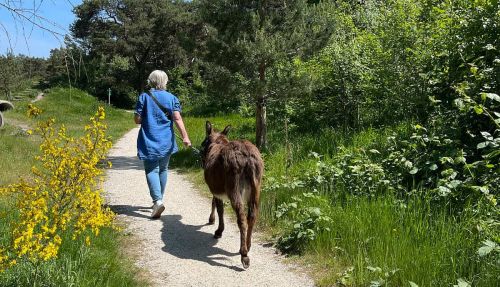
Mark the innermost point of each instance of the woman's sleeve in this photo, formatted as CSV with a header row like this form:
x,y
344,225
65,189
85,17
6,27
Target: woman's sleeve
x,y
176,105
139,105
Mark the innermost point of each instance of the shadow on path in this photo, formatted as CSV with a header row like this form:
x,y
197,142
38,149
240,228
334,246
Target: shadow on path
x,y
188,242
126,162
183,240
133,211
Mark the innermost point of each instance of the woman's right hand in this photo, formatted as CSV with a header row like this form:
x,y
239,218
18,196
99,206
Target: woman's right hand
x,y
186,142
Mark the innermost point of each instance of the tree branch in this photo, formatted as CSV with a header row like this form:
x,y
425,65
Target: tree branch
x,y
31,16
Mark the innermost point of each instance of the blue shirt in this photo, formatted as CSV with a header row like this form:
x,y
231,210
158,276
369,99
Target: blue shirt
x,y
156,137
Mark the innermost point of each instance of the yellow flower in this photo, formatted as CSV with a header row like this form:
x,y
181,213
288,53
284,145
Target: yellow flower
x,y
33,111
87,240
63,193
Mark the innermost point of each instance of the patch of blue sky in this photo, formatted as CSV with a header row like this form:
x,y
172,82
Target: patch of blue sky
x,y
41,29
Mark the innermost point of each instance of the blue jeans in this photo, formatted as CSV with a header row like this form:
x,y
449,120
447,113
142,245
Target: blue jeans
x,y
156,175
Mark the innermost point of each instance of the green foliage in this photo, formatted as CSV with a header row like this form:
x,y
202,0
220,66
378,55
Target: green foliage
x,y
121,42
10,75
306,219
258,41
384,119
72,107
103,263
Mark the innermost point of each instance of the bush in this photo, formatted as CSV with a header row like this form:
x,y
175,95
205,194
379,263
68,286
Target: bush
x,y
61,196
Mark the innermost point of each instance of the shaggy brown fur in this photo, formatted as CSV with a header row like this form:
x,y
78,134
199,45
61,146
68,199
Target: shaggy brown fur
x,y
233,170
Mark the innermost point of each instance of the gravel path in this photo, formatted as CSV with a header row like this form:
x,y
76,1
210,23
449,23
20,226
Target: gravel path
x,y
179,249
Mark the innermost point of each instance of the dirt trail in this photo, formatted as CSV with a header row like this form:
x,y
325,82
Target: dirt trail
x,y
179,249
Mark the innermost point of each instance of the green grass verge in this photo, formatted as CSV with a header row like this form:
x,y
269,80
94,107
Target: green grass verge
x,y
368,241
103,262
70,107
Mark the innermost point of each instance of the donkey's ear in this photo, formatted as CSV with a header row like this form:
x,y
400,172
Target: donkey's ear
x,y
208,128
226,130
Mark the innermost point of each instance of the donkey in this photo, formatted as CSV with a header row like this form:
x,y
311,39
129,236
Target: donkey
x,y
233,170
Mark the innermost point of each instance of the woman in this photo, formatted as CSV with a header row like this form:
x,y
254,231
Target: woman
x,y
156,140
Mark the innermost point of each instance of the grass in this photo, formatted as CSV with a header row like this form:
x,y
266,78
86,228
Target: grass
x,y
71,108
103,262
376,238
18,152
370,241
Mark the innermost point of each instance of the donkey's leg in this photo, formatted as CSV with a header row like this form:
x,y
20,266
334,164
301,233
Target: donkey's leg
x,y
211,218
220,212
253,213
253,210
238,207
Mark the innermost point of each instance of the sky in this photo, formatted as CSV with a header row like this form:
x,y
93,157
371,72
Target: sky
x,y
22,37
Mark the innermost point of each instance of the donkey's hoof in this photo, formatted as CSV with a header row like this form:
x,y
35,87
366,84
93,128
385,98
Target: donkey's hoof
x,y
217,235
211,221
245,260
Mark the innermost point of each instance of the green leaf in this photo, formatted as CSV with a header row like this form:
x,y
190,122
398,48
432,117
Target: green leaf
x,y
408,164
491,96
490,243
315,211
433,167
462,283
485,250
478,109
482,145
414,170
487,136
374,269
460,159
444,191
412,284
454,183
459,103
493,154
419,127
489,47
446,159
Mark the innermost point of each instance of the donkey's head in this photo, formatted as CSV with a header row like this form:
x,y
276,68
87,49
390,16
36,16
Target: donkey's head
x,y
212,136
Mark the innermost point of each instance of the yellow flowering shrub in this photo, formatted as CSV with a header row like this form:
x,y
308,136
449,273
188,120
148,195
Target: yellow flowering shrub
x,y
63,194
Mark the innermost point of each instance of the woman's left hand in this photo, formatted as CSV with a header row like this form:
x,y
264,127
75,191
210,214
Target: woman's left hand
x,y
186,142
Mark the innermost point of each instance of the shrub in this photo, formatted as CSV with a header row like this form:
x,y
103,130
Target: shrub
x,y
62,195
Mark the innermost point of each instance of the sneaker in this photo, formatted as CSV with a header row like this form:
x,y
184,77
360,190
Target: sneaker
x,y
158,208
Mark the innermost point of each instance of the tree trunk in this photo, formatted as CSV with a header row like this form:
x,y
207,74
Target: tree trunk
x,y
140,66
261,123
260,112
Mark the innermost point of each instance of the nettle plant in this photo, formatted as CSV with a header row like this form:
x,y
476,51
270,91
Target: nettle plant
x,y
351,171
305,215
62,199
305,219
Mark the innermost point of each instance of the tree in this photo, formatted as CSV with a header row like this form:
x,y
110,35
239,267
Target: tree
x,y
146,34
252,38
10,74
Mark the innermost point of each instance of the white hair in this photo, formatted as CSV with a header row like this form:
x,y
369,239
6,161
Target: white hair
x,y
158,79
